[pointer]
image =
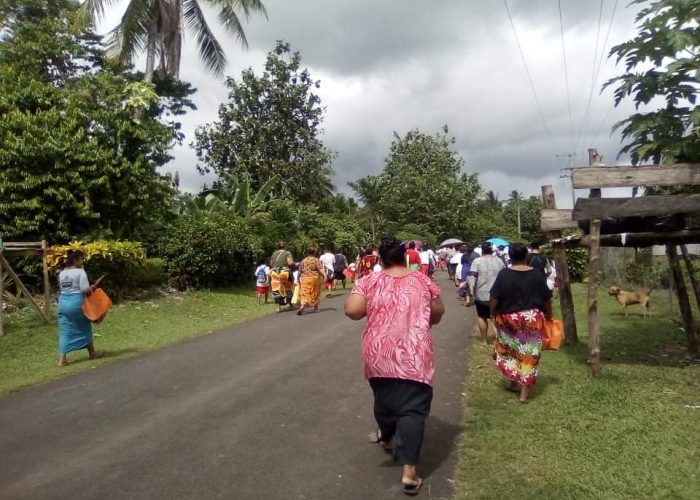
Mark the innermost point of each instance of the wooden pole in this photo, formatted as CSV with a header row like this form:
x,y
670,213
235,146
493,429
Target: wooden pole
x,y
594,368
47,285
23,289
691,273
566,300
683,299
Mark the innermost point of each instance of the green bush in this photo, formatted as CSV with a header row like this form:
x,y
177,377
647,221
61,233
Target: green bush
x,y
577,260
152,274
121,261
208,249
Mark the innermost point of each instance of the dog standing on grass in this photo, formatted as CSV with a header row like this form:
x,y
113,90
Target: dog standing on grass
x,y
630,298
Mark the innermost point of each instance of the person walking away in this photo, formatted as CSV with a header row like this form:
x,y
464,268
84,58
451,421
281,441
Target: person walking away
x,y
453,263
482,275
281,276
328,261
424,256
262,279
432,262
401,306
502,254
367,262
412,257
74,329
520,302
310,278
468,258
339,268
536,260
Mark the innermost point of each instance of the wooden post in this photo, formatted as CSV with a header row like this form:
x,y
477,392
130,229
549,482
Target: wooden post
x,y
594,368
47,285
23,289
2,301
683,299
566,300
691,274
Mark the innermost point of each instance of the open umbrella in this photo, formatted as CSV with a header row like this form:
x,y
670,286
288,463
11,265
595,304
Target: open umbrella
x,y
498,242
450,242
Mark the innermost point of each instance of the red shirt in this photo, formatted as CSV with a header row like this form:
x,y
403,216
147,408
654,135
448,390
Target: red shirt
x,y
413,256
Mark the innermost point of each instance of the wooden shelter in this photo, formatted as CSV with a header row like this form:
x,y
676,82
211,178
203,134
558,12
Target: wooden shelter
x,y
629,222
23,249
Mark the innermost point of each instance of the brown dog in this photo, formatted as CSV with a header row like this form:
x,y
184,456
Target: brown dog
x,y
629,298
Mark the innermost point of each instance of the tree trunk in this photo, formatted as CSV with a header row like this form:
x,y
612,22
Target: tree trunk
x,y
683,299
691,274
151,48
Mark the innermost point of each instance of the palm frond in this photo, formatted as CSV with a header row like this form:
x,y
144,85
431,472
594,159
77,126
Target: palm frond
x,y
90,12
209,48
129,38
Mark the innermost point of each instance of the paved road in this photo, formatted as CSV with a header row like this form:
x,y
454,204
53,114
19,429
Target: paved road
x,y
275,408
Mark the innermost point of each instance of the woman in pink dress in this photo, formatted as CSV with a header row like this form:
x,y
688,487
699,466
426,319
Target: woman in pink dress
x,y
397,352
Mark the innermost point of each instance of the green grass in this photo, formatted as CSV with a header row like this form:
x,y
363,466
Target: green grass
x,y
28,349
627,434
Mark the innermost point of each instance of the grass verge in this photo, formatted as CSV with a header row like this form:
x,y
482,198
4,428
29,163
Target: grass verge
x,y
28,349
632,433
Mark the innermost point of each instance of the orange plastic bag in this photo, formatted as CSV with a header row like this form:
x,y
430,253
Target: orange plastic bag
x,y
97,305
552,334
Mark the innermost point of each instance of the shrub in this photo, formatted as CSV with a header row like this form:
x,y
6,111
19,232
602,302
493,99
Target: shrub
x,y
208,249
152,274
121,261
577,260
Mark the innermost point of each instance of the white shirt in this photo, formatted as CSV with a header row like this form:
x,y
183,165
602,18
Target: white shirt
x,y
424,257
328,261
456,258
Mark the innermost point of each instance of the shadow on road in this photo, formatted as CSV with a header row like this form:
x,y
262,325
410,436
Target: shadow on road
x,y
440,442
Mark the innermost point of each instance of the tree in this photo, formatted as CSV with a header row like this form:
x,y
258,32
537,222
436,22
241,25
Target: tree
x,y
234,196
270,127
157,26
422,183
492,200
368,190
529,210
80,143
662,61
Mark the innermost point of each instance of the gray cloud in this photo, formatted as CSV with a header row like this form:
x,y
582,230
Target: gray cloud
x,y
400,64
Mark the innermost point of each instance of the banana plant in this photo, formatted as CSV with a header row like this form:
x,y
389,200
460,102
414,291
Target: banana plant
x,y
233,195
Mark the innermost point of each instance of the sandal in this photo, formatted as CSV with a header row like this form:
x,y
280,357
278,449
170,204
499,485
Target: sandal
x,y
413,488
376,438
61,364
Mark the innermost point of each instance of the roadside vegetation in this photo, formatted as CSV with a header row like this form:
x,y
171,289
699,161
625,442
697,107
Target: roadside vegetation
x,y
632,433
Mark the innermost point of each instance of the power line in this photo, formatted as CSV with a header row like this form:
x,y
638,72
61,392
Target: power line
x,y
527,72
587,114
566,72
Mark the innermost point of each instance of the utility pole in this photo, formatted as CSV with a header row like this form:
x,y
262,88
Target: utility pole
x,y
566,172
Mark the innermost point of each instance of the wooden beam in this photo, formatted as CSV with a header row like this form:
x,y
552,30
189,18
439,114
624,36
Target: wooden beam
x,y
634,240
47,284
683,299
594,368
645,206
554,220
566,300
2,302
22,288
629,176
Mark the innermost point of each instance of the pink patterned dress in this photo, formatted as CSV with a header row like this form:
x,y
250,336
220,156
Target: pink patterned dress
x,y
397,342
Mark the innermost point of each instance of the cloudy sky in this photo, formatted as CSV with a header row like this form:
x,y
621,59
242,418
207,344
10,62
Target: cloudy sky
x,y
394,65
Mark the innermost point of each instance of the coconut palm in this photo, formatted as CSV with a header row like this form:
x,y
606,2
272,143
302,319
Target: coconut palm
x,y
157,26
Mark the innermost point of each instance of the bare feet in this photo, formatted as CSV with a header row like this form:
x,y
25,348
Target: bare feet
x,y
524,393
62,361
96,354
411,481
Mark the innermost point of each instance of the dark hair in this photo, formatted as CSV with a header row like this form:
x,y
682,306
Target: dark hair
x,y
262,261
486,248
281,245
412,245
463,249
517,252
534,245
392,252
73,256
312,252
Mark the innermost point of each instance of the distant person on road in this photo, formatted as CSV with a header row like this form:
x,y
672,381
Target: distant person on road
x,y
262,281
340,267
520,301
74,329
412,257
310,279
482,275
397,353
453,264
328,261
367,262
281,276
538,261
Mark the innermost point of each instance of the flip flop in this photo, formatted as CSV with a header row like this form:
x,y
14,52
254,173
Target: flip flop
x,y
376,438
412,489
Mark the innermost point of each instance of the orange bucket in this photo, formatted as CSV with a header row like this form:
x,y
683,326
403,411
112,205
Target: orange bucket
x,y
552,334
97,305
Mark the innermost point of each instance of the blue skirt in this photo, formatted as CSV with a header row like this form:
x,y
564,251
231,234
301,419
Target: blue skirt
x,y
74,329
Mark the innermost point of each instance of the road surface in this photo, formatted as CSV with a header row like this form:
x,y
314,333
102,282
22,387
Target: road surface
x,y
274,408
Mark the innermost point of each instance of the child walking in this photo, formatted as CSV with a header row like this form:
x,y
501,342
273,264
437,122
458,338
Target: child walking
x,y
262,279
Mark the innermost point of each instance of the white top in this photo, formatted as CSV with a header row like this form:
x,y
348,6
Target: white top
x,y
377,268
424,257
266,269
73,280
456,258
328,260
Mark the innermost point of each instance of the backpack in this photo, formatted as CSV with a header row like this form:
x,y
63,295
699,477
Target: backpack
x,y
261,276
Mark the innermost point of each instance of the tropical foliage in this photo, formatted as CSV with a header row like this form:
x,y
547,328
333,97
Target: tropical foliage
x,y
157,27
271,127
662,62
231,195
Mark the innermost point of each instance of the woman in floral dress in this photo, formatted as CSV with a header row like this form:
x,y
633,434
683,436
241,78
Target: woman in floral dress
x,y
310,278
397,352
520,301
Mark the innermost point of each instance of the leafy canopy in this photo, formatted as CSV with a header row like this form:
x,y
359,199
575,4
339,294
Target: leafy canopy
x,y
662,62
271,127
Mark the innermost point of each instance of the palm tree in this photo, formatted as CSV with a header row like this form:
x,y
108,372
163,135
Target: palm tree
x,y
157,27
368,190
516,197
492,200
